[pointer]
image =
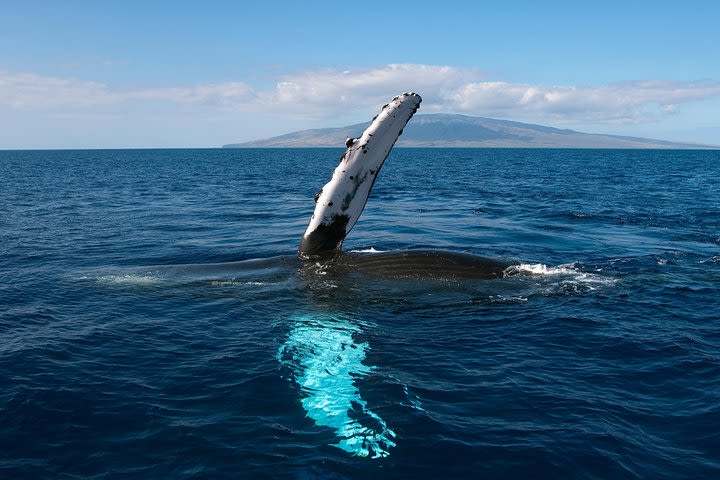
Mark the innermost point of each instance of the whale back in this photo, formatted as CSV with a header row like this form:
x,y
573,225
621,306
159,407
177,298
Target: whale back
x,y
426,265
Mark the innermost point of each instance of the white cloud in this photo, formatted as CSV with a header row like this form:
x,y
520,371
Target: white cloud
x,y
326,90
219,95
326,93
629,102
30,91
27,91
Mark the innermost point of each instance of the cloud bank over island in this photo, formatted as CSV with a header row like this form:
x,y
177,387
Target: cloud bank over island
x,y
59,111
324,93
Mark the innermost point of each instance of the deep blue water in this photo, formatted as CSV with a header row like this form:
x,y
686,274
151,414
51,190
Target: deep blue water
x,y
140,338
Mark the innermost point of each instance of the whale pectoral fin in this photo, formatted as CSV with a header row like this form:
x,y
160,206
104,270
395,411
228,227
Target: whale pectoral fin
x,y
339,204
327,237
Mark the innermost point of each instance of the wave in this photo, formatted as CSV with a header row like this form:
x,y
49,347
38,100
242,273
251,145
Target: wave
x,y
566,278
127,279
367,250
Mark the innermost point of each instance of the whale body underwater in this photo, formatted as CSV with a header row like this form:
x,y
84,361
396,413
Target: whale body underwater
x,y
339,204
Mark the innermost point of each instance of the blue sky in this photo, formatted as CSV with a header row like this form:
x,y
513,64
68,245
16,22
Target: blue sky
x,y
95,74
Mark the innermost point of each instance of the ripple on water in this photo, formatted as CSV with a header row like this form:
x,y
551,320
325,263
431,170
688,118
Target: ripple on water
x,y
596,358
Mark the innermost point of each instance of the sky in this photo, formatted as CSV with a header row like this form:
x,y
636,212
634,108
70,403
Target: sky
x,y
174,74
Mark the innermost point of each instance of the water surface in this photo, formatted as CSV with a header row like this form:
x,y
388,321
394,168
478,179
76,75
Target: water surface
x,y
154,322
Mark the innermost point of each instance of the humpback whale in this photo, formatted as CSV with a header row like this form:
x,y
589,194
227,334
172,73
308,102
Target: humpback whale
x,y
322,355
325,354
339,204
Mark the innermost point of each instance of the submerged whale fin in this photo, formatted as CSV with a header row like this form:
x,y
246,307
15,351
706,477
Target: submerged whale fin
x,y
326,362
341,201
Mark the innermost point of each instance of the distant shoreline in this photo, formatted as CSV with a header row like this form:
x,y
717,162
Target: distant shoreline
x,y
462,131
325,147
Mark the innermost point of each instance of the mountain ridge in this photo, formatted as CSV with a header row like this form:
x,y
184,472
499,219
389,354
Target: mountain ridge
x,y
442,130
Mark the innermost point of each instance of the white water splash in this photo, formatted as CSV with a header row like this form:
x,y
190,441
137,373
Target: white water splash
x,y
325,362
541,269
227,283
129,279
715,259
367,250
507,299
567,275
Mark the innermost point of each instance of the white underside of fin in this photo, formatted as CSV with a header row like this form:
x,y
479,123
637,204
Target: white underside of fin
x,y
343,198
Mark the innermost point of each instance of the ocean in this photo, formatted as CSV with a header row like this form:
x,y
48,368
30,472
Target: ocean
x,y
156,323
